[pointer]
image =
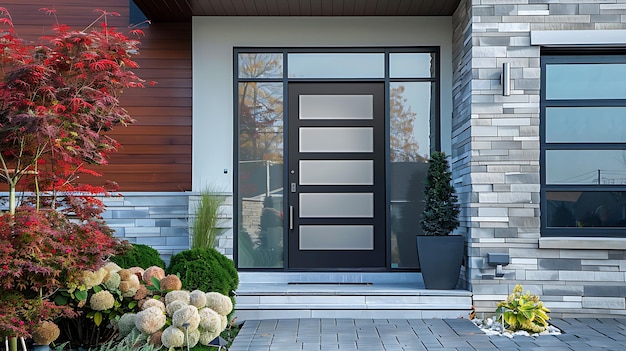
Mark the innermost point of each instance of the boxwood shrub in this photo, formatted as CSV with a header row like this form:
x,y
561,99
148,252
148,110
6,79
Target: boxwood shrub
x,y
139,255
205,269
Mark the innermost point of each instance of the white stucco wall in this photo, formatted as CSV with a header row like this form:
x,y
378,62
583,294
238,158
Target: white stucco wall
x,y
215,37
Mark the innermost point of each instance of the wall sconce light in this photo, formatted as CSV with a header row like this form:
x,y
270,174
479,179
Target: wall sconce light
x,y
498,260
505,79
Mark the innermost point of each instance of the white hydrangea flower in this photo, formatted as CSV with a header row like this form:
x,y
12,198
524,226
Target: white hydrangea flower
x,y
194,338
197,298
153,303
172,337
219,303
174,306
177,295
186,315
150,320
210,321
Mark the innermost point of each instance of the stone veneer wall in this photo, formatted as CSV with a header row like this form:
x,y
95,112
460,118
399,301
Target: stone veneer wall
x,y
162,220
159,220
502,191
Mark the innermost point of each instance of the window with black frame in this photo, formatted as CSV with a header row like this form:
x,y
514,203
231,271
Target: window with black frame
x,y
583,133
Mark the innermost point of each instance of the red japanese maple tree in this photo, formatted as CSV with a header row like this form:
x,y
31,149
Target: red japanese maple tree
x,y
58,98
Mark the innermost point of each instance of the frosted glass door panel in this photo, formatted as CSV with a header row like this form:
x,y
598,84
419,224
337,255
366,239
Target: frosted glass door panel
x,y
336,237
336,139
336,107
337,205
337,172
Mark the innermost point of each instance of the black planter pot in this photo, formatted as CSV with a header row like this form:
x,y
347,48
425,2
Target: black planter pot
x,y
440,259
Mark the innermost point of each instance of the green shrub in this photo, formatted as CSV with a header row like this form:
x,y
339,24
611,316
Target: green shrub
x,y
206,270
140,255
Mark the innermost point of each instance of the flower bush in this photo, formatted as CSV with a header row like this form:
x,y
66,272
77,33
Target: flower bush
x,y
163,316
169,324
106,312
96,302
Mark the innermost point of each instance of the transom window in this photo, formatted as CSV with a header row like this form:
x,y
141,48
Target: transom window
x,y
583,131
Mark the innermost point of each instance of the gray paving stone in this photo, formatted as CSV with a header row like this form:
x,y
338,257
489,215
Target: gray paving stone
x,y
400,335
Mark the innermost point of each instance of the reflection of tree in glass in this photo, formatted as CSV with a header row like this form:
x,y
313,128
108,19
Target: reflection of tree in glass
x,y
260,65
403,146
260,121
260,109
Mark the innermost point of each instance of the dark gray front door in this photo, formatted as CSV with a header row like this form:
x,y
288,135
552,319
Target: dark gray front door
x,y
336,181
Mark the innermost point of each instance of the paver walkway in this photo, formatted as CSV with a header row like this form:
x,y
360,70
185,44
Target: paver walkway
x,y
588,334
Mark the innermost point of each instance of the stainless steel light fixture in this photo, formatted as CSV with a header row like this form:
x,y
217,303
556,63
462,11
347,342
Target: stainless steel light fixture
x,y
505,79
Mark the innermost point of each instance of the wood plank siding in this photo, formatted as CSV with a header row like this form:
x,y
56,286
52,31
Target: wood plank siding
x,y
156,150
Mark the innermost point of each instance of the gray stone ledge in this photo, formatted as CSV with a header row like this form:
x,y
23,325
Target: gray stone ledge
x,y
584,243
578,37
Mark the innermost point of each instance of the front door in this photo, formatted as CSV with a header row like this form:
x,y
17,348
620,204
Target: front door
x,y
336,176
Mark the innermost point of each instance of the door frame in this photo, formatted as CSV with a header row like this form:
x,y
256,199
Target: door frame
x,y
435,124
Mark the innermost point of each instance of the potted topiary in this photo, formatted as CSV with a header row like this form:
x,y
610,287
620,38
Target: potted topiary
x,y
440,254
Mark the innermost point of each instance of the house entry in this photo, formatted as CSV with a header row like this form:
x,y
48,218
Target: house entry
x,y
331,153
336,176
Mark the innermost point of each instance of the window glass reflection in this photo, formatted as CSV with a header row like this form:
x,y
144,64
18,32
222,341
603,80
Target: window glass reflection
x,y
411,65
260,175
410,110
586,167
260,65
585,124
336,65
586,81
586,209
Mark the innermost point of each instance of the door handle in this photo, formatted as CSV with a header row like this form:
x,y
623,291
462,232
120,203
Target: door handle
x,y
290,217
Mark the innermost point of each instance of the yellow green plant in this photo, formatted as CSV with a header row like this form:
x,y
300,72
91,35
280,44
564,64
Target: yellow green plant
x,y
523,311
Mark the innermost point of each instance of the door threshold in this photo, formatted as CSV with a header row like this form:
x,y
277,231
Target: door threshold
x,y
330,278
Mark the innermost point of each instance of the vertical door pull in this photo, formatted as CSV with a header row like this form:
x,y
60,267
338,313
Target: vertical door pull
x,y
290,217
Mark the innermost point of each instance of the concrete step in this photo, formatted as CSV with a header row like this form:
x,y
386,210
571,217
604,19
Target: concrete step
x,y
345,295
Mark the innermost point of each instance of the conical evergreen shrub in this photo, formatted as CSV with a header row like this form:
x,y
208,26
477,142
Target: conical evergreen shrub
x,y
441,211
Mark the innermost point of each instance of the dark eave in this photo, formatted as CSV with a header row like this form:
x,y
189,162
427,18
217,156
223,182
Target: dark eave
x,y
183,10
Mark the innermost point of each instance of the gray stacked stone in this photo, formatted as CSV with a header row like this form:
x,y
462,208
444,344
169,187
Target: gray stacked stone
x,y
162,221
495,144
159,220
